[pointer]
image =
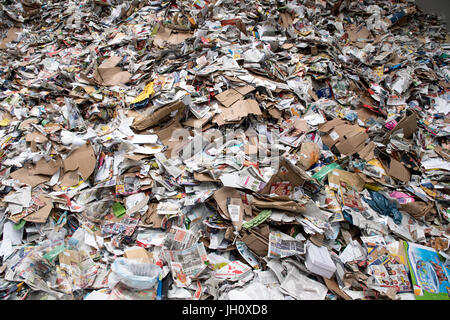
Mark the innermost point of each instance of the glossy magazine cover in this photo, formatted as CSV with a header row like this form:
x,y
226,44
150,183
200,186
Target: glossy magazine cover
x,y
428,273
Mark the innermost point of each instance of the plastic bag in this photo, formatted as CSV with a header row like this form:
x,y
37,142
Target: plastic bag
x,y
309,155
134,274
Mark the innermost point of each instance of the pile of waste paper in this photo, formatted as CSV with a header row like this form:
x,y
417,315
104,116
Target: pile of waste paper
x,y
193,149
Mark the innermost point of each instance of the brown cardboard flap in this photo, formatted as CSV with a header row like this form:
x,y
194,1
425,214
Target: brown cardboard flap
x,y
25,176
138,254
352,144
398,171
195,123
368,152
69,179
203,177
345,136
267,203
165,135
42,214
334,287
285,19
240,110
151,218
47,168
257,244
230,96
10,36
359,34
109,75
408,124
82,159
168,35
158,116
287,172
352,179
224,196
35,137
327,126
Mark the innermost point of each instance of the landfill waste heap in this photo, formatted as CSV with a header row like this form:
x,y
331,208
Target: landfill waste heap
x,y
252,150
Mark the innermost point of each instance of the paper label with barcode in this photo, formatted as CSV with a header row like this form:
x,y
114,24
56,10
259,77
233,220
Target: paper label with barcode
x,y
234,211
334,135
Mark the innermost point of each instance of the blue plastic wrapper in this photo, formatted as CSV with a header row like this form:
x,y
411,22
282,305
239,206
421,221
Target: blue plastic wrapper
x,y
140,105
351,116
397,16
324,93
381,204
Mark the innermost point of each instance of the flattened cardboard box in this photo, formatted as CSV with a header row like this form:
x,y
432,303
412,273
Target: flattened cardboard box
x,y
268,203
10,36
348,138
168,35
47,168
149,219
352,144
42,214
368,152
398,171
204,177
240,110
230,96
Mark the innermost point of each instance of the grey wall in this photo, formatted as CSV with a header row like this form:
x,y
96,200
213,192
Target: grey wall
x,y
440,7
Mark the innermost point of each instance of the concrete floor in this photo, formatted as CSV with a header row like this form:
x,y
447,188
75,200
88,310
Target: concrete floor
x,y
440,7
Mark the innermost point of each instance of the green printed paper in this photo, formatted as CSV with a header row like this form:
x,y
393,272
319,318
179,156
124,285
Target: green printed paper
x,y
118,209
19,225
322,173
54,252
260,218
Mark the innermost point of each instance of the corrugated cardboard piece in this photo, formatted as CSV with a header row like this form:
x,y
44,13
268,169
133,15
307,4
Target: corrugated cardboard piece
x,y
336,176
48,168
258,240
237,111
347,138
42,214
398,171
368,152
165,135
10,36
24,175
281,203
158,116
334,287
151,218
83,160
109,75
225,196
408,124
230,96
167,35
